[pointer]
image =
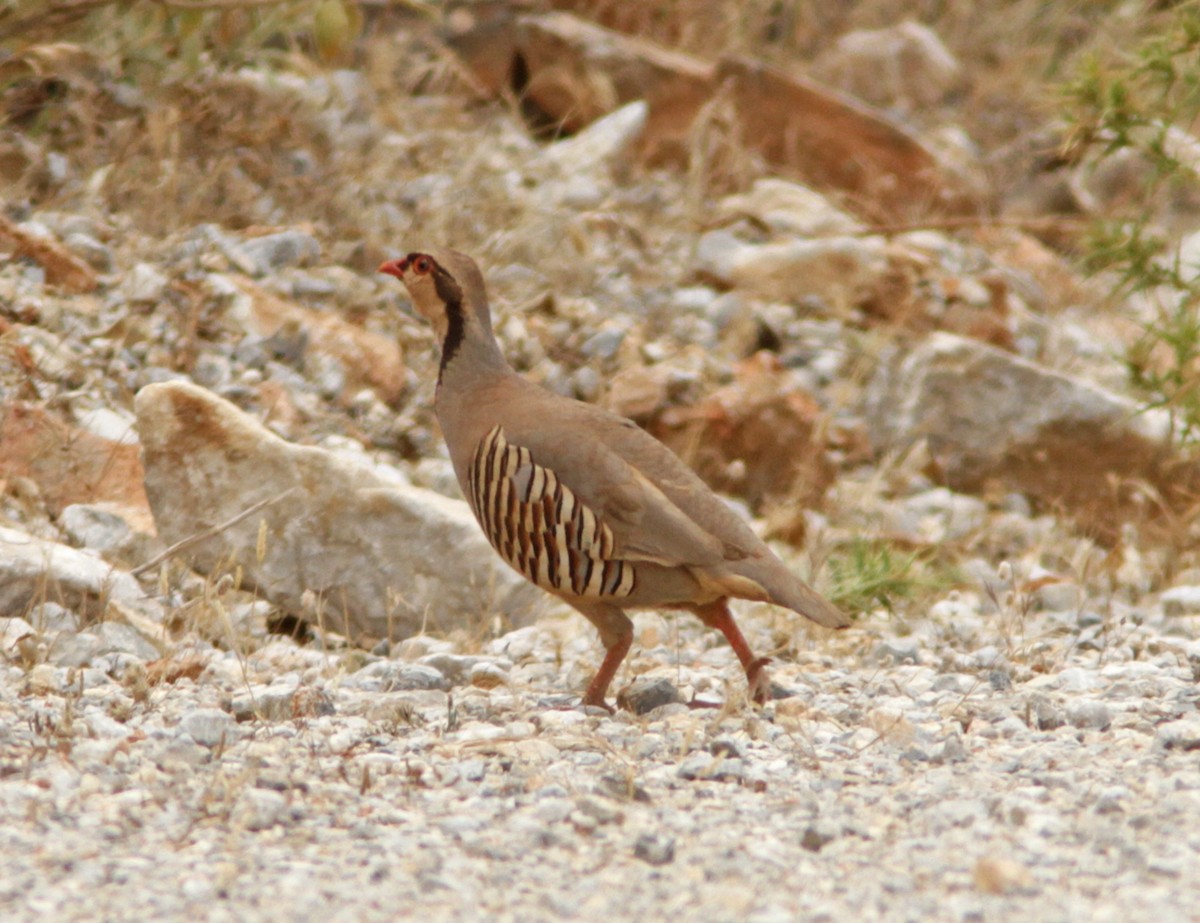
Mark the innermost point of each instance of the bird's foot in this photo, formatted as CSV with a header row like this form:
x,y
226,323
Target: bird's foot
x,y
590,701
759,680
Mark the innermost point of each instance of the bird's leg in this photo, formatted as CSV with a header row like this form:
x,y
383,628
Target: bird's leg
x,y
616,634
716,615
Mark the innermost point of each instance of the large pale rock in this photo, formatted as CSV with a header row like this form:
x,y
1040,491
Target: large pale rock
x,y
34,571
837,269
992,419
578,171
599,146
785,207
68,464
903,65
346,548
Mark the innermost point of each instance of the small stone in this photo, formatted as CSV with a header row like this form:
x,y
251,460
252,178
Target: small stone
x,y
604,343
1181,600
704,765
1045,714
96,254
51,617
488,675
1111,801
832,268
285,248
197,889
58,168
473,770
259,809
725,746
97,529
904,65
392,676
818,835
642,697
940,515
952,751
1089,714
1060,596
181,754
455,667
269,703
112,425
623,789
1183,734
83,648
601,810
654,848
311,702
899,650
102,726
209,727
788,208
587,383
143,285
420,646
29,564
1000,876
12,630
521,644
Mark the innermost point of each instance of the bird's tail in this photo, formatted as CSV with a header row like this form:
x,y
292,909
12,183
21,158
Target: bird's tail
x,y
783,588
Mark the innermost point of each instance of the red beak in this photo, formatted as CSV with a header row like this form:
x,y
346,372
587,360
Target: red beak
x,y
394,268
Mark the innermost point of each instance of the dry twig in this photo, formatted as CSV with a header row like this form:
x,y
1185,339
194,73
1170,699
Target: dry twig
x,y
208,533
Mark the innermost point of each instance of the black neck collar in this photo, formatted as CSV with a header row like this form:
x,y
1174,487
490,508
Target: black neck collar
x,y
456,321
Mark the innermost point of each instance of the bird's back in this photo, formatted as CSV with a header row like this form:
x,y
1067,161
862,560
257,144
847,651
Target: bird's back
x,y
651,507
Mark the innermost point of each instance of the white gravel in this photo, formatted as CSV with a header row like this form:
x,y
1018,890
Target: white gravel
x,y
951,781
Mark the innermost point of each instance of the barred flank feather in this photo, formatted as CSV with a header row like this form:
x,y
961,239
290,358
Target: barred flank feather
x,y
540,527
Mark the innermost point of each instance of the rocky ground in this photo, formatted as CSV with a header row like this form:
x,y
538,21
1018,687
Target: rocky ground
x,y
256,661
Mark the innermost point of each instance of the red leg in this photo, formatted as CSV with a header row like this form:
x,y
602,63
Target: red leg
x,y
716,615
616,634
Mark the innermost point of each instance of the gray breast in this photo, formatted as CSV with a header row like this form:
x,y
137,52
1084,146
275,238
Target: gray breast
x,y
540,527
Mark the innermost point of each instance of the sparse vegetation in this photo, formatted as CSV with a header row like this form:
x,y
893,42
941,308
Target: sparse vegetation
x,y
1135,105
870,573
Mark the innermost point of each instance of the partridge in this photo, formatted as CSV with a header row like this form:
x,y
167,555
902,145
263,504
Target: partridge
x,y
582,502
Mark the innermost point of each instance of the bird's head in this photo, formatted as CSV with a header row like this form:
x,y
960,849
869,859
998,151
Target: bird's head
x,y
446,288
442,284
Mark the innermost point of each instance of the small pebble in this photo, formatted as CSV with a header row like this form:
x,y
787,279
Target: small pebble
x,y
654,849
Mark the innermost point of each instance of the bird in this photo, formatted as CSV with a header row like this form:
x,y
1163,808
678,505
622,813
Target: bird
x,y
582,502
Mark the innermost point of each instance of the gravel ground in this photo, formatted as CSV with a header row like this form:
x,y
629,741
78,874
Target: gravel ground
x,y
944,775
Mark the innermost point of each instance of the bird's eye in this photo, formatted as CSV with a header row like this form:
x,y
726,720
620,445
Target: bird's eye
x,y
422,265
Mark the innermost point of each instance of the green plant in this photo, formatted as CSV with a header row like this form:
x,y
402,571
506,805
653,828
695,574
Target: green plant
x,y
867,572
1136,105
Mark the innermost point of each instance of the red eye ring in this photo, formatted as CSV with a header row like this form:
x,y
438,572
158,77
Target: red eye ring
x,y
421,265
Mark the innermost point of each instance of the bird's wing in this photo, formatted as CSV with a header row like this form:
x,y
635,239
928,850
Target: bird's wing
x,y
634,484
